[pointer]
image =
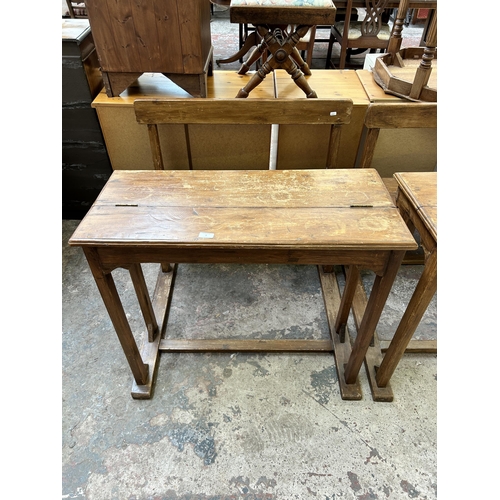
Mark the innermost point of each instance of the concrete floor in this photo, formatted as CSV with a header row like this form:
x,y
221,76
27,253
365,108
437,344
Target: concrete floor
x,y
238,426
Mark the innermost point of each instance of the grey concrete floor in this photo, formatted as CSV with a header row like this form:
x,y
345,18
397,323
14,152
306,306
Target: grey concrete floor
x,y
238,426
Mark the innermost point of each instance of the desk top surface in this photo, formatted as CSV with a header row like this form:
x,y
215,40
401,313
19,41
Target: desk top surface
x,y
342,209
421,190
374,91
328,83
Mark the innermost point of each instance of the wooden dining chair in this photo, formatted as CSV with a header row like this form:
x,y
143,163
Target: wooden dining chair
x,y
77,9
306,45
372,33
237,112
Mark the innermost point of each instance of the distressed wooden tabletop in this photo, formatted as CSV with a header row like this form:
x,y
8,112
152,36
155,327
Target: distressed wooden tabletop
x,y
338,209
421,189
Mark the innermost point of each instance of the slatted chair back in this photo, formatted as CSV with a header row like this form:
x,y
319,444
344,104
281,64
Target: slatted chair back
x,y
266,112
373,32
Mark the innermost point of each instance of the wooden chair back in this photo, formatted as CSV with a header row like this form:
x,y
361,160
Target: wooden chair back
x,y
373,32
77,9
392,116
306,45
405,115
266,112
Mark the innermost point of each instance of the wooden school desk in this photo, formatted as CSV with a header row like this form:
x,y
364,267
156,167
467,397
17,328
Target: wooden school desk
x,y
318,217
417,201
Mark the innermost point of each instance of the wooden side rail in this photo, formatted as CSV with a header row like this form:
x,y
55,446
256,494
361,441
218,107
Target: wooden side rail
x,y
333,112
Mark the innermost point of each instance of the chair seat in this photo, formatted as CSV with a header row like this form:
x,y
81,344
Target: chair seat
x,y
355,30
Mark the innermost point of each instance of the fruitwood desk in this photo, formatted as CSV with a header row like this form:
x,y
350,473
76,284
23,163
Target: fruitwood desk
x,y
319,217
417,201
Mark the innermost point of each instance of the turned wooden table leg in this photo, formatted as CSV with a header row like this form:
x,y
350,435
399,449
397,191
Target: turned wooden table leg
x,y
111,299
283,53
303,66
424,70
374,308
256,80
254,56
423,294
299,79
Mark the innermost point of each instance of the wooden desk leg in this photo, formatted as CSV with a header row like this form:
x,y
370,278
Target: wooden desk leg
x,y
424,291
109,294
150,351
373,356
341,347
374,308
345,304
141,290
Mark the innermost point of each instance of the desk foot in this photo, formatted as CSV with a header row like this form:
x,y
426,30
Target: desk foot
x,y
342,350
374,355
373,358
150,351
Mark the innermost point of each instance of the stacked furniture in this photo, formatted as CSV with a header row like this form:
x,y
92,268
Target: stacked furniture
x,y
85,163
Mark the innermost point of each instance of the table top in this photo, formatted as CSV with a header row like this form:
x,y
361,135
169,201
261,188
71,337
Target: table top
x,y
327,83
374,91
414,4
421,190
271,12
341,209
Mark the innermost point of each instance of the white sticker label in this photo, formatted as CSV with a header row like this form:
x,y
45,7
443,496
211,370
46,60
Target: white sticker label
x,y
206,235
